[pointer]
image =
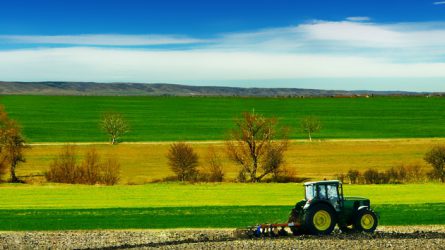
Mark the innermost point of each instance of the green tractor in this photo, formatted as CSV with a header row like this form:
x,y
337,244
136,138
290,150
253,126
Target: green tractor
x,y
325,206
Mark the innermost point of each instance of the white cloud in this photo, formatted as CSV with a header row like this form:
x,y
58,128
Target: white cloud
x,y
94,64
101,39
358,18
317,49
439,3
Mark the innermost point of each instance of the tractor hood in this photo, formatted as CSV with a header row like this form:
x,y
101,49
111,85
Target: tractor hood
x,y
357,201
355,198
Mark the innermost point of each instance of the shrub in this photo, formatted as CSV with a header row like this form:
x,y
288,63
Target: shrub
x,y
213,172
110,172
183,161
90,168
392,175
436,158
341,177
371,176
353,176
64,168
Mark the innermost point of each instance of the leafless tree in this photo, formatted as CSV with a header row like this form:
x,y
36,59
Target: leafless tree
x,y
110,170
90,167
214,168
114,125
310,125
256,146
436,158
183,161
12,145
64,168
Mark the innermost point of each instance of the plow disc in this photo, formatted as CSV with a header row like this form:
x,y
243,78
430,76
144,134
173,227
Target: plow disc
x,y
266,230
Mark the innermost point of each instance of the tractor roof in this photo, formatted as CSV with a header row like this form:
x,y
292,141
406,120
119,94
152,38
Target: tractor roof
x,y
322,182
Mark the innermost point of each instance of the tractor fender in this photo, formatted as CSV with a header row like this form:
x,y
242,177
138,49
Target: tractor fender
x,y
314,203
363,208
368,208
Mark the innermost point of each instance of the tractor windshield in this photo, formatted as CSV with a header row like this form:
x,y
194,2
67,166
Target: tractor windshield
x,y
310,192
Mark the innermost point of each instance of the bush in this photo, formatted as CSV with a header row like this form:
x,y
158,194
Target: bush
x,y
213,172
110,172
436,158
341,177
353,176
90,168
64,168
371,176
183,161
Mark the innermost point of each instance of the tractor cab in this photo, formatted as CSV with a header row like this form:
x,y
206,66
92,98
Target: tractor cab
x,y
327,191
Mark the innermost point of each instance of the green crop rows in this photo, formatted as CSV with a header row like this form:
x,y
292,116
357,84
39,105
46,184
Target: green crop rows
x,y
76,118
57,207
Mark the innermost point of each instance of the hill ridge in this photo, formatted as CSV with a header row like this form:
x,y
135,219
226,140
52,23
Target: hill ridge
x,y
167,89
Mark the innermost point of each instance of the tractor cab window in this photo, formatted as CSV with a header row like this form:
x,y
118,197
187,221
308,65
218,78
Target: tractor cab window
x,y
332,192
322,192
310,192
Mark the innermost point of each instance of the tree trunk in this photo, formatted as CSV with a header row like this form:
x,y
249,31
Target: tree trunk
x,y
253,173
113,140
310,137
14,178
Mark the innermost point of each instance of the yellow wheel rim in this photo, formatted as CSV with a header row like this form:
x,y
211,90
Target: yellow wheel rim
x,y
367,221
322,220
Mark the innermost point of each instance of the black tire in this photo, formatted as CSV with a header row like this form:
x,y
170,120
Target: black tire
x,y
320,219
366,221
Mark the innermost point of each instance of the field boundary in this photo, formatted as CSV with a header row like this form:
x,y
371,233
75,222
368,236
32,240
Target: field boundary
x,y
222,141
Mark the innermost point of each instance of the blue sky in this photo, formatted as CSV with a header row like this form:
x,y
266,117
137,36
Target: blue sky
x,y
349,44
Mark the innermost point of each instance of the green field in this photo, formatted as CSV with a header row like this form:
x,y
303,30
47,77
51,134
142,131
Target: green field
x,y
76,118
52,207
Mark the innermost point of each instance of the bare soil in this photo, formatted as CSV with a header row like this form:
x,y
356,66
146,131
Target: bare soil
x,y
406,237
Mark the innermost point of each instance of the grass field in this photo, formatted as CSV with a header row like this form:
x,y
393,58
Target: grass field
x,y
142,163
76,118
204,205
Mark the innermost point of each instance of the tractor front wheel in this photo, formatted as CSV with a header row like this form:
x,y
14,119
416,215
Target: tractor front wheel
x,y
320,219
366,221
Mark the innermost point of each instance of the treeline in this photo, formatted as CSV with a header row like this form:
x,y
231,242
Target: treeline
x,y
412,173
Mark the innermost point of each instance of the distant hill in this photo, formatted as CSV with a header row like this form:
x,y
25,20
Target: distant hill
x,y
161,89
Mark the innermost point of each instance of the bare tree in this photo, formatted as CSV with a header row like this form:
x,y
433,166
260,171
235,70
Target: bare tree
x,y
114,125
64,168
12,145
436,158
110,170
254,146
310,125
183,161
214,169
89,170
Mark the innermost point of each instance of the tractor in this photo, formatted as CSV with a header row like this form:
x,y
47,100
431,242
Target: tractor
x,y
324,206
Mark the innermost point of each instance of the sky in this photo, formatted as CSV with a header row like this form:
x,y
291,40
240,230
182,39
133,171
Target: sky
x,y
324,44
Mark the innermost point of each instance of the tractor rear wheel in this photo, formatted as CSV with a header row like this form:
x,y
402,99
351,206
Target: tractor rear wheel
x,y
366,221
320,219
